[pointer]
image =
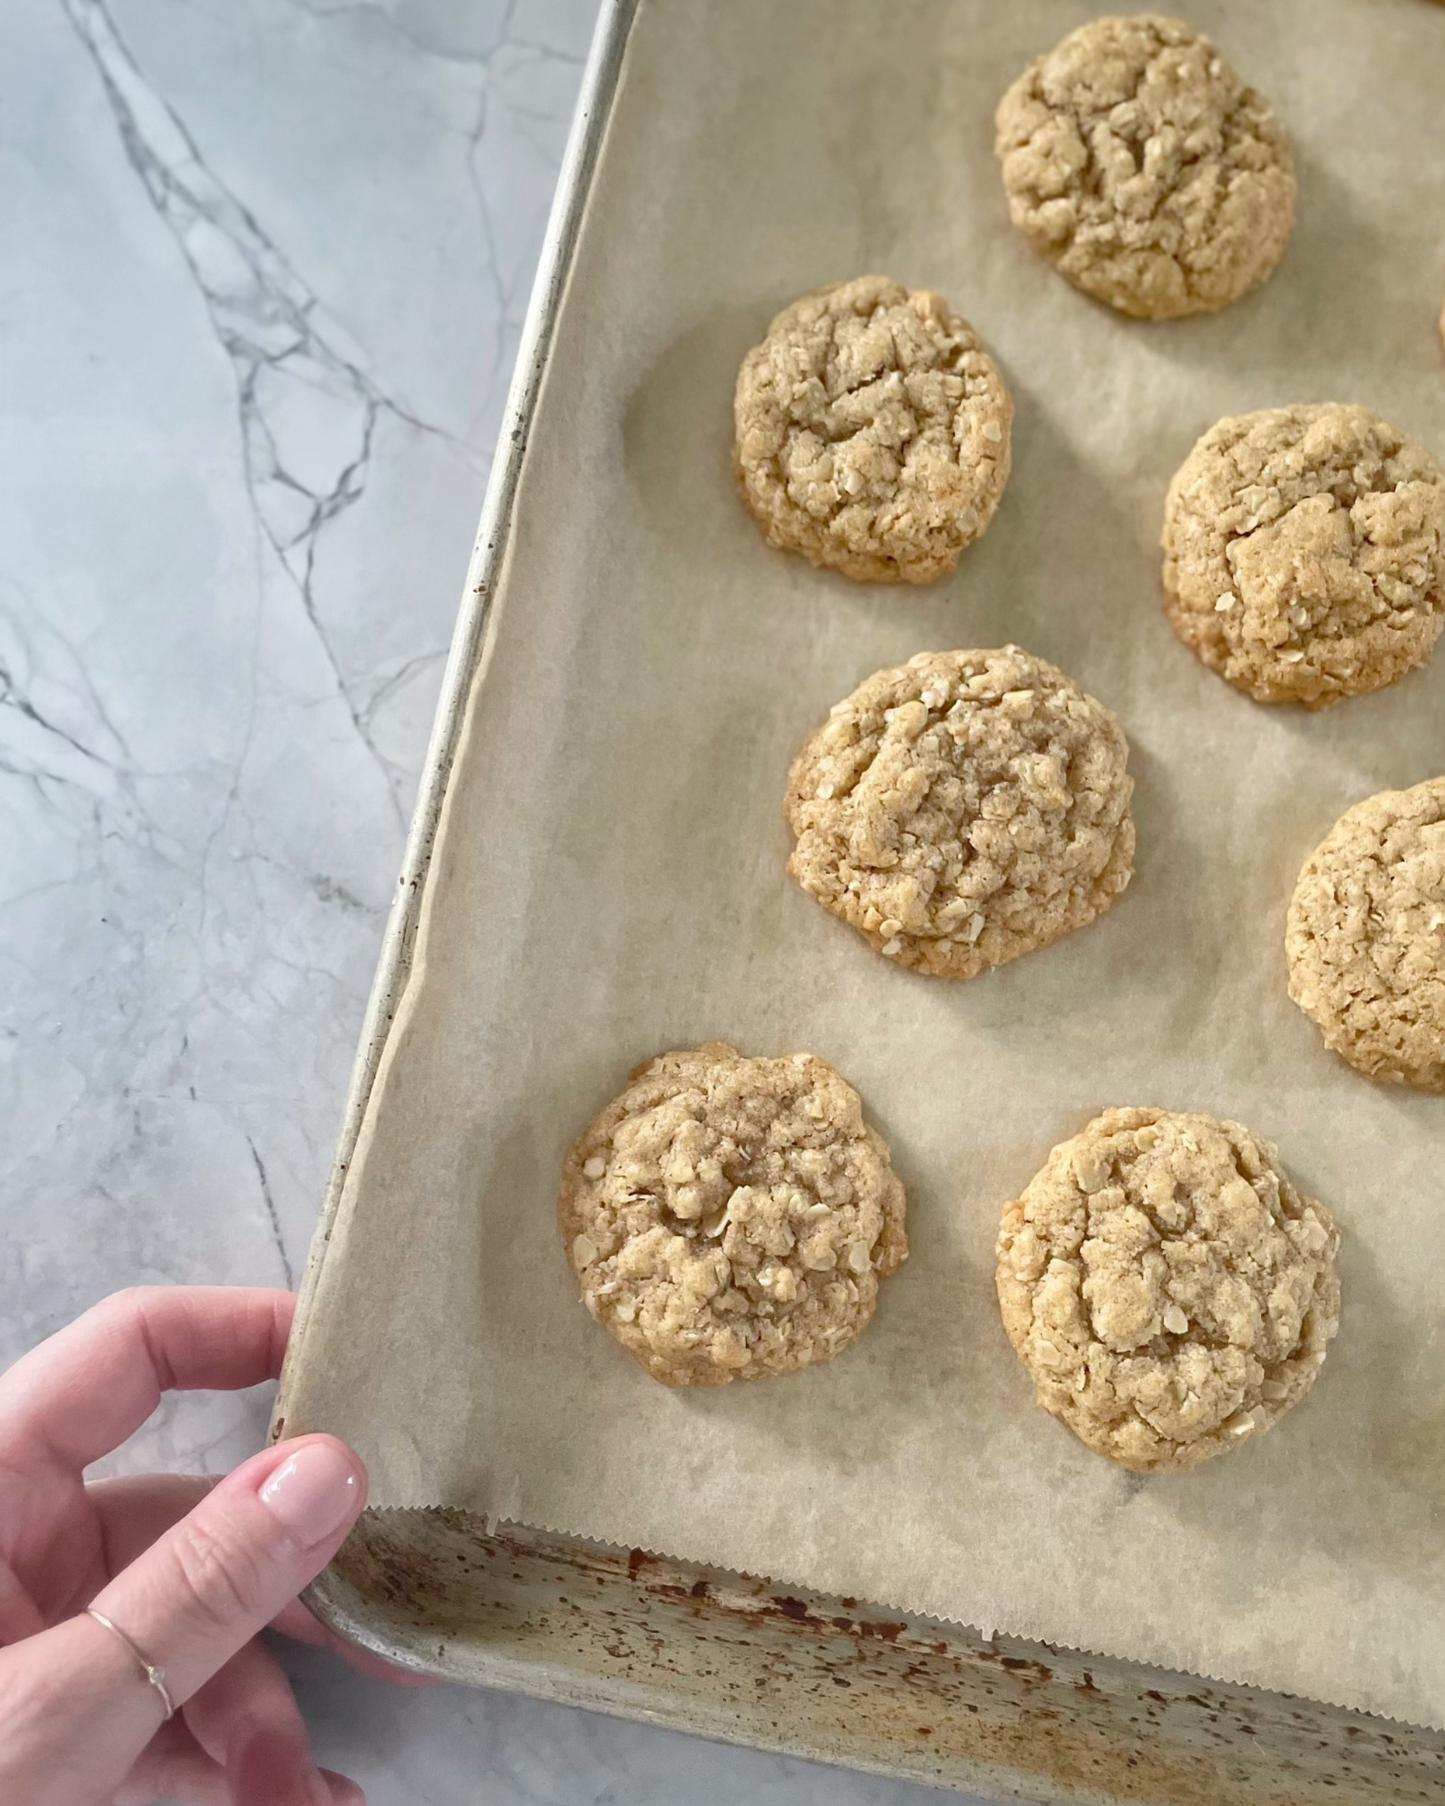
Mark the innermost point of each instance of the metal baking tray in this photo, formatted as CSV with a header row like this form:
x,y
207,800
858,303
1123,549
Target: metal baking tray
x,y
724,1655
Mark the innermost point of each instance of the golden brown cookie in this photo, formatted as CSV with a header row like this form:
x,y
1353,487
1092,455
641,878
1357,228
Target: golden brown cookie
x,y
729,1218
1168,1289
1365,937
1304,553
872,432
1144,169
963,809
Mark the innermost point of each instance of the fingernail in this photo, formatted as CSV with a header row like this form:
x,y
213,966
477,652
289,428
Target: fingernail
x,y
313,1492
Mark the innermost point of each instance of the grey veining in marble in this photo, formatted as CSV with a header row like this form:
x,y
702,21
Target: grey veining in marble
x,y
265,264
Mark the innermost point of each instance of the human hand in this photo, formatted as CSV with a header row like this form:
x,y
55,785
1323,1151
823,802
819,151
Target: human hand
x,y
189,1569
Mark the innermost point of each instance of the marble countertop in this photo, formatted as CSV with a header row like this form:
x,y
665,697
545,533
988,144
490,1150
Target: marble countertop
x,y
265,264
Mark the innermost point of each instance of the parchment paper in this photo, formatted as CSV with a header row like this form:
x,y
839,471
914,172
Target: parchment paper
x,y
609,880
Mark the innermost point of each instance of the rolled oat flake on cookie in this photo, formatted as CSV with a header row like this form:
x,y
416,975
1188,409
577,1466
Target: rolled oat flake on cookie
x,y
1144,169
728,1218
1170,1292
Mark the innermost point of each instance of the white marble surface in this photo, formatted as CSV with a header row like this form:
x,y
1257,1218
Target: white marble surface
x,y
263,264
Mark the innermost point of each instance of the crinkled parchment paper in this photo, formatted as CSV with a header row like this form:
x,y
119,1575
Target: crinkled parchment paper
x,y
610,881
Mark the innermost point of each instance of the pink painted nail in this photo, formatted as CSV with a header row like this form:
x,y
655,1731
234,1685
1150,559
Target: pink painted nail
x,y
314,1492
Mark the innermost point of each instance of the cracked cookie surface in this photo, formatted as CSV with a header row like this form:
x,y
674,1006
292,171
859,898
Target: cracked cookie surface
x,y
1169,1291
1365,936
872,432
963,809
1144,169
1304,553
729,1218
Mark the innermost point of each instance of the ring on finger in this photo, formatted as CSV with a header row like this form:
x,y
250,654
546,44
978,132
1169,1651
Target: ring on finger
x,y
154,1674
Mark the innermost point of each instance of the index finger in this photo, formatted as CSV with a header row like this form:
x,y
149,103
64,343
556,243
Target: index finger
x,y
80,1394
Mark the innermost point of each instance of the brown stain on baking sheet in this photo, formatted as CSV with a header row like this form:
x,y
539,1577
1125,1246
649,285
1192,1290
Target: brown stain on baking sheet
x,y
731,1657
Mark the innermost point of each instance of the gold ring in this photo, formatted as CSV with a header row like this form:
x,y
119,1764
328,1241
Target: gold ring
x,y
154,1675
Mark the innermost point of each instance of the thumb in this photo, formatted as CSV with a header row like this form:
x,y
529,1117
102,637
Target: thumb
x,y
223,1572
76,1708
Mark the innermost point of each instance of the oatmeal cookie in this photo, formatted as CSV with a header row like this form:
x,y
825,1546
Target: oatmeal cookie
x,y
1365,937
1168,1289
963,809
1304,553
729,1218
1144,169
872,432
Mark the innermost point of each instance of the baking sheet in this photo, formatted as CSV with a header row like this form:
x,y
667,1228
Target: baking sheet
x,y
608,879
